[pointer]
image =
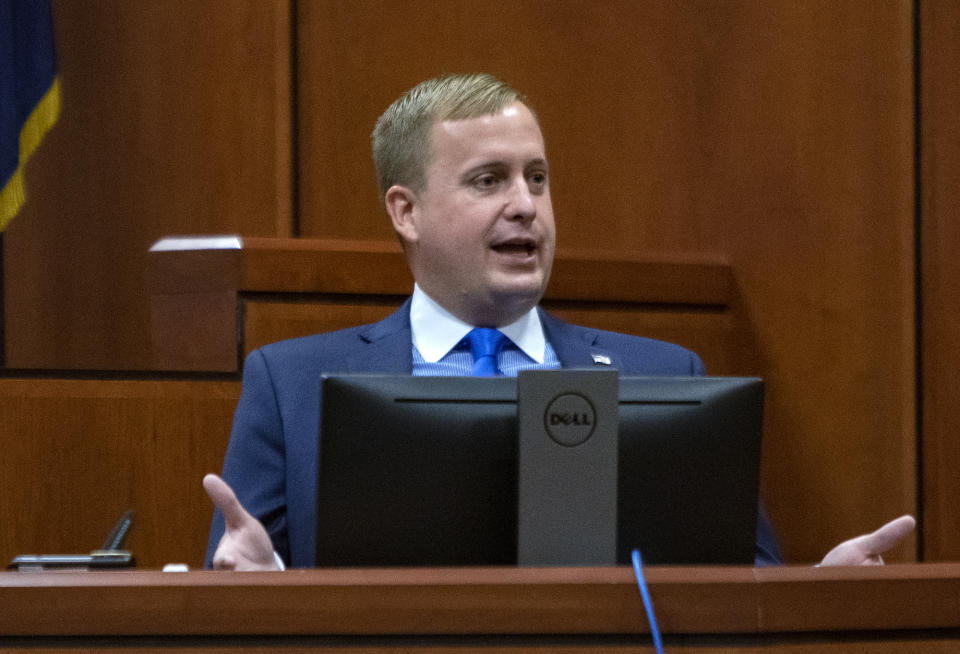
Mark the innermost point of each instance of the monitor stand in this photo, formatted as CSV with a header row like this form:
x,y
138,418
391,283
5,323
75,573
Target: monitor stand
x,y
567,468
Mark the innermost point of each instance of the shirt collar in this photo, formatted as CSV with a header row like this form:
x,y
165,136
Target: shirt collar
x,y
436,331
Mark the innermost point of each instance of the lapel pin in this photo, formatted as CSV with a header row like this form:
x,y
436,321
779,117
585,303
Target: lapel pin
x,y
601,359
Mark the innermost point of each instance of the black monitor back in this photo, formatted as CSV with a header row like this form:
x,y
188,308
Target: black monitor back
x,y
422,471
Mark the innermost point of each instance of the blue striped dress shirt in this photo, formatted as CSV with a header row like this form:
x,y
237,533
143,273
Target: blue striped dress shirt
x,y
435,328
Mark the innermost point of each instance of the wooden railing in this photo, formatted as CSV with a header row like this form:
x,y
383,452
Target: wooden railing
x,y
799,610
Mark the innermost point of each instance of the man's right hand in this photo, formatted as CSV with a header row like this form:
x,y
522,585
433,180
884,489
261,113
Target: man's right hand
x,y
245,544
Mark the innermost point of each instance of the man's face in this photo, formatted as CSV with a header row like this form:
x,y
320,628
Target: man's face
x,y
481,233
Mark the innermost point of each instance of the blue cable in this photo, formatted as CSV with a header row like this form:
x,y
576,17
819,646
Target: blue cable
x,y
647,602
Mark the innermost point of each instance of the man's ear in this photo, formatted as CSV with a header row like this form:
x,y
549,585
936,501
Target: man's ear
x,y
401,202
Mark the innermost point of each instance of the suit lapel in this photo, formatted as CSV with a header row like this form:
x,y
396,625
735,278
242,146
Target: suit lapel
x,y
386,346
576,347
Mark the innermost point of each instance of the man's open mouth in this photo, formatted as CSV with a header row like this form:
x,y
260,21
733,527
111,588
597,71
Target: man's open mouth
x,y
516,248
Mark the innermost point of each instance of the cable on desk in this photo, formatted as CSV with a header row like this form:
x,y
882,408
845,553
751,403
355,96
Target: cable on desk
x,y
647,601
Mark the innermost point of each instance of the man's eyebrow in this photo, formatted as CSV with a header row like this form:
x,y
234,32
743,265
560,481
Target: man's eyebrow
x,y
499,164
485,166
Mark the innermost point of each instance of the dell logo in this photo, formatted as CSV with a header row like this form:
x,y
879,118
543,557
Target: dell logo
x,y
570,419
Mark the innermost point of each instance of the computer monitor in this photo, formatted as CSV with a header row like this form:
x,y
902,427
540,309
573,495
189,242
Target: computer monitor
x,y
422,471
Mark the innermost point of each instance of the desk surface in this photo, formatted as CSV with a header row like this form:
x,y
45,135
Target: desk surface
x,y
505,601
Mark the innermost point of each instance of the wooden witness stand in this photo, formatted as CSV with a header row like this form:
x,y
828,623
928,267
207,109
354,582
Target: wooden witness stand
x,y
898,608
213,300
211,306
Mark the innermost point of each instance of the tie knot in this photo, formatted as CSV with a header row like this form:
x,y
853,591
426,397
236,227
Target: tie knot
x,y
485,345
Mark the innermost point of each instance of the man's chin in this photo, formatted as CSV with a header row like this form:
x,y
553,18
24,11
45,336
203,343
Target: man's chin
x,y
517,297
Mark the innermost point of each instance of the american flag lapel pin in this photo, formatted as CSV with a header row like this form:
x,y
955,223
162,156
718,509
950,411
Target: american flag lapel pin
x,y
601,359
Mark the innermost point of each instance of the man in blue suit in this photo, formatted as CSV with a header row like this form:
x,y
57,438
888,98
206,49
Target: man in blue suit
x,y
464,177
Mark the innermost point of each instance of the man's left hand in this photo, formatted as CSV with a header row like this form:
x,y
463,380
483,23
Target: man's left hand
x,y
867,549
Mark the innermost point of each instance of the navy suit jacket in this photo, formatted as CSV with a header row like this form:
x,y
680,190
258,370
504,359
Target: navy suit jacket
x,y
271,461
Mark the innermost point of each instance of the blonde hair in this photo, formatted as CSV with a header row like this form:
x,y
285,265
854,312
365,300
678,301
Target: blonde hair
x,y
401,137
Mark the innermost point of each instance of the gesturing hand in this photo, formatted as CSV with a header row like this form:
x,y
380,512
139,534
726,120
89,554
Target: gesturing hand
x,y
245,544
866,549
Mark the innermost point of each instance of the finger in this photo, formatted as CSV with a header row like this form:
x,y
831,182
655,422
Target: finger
x,y
889,535
223,562
226,501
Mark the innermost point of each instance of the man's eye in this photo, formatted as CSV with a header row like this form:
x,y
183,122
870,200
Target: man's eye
x,y
486,181
538,178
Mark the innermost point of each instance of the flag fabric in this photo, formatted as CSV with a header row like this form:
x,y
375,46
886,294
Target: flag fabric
x,y
29,93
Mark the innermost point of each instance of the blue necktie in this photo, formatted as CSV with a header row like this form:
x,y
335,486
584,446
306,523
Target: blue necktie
x,y
485,345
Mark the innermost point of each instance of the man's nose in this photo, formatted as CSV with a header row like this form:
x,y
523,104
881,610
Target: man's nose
x,y
521,202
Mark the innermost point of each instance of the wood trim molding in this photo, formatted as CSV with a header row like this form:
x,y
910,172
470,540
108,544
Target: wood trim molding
x,y
491,601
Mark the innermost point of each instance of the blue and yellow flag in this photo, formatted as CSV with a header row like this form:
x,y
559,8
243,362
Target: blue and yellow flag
x,y
29,93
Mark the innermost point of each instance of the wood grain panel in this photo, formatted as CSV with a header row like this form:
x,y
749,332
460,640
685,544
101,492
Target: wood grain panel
x,y
937,644
176,119
78,453
301,265
210,306
270,321
813,181
780,134
940,238
863,610
713,334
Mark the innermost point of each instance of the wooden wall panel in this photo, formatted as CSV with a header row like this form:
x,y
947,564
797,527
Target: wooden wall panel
x,y
940,238
78,453
778,134
269,321
809,189
175,119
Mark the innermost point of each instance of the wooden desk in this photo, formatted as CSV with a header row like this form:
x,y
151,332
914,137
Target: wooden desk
x,y
903,608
